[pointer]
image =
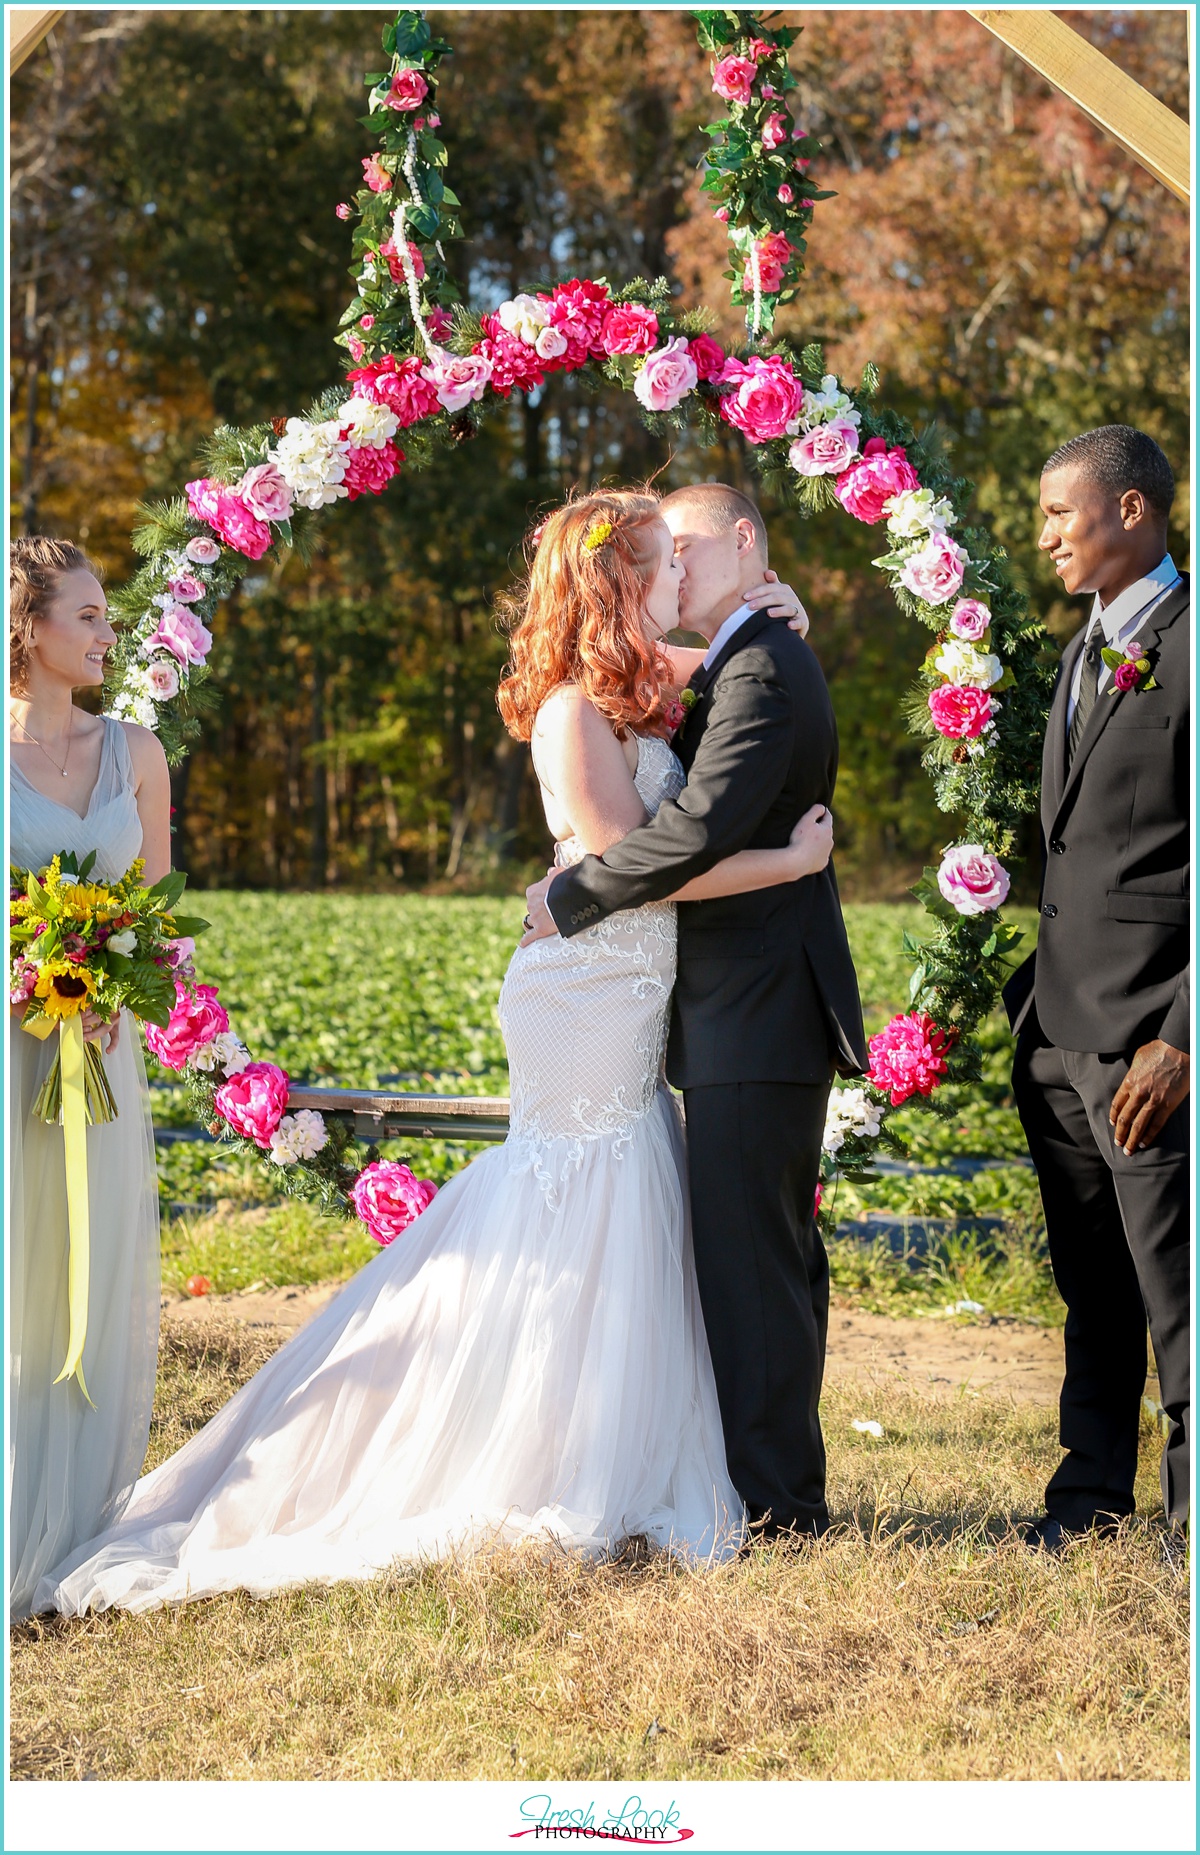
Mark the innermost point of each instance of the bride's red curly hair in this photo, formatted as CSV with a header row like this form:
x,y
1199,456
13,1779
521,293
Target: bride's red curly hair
x,y
576,618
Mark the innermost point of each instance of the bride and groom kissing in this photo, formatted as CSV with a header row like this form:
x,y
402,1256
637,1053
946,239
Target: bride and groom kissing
x,y
599,1330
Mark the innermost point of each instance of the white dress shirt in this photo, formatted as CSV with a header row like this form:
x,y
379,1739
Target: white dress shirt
x,y
727,630
1120,619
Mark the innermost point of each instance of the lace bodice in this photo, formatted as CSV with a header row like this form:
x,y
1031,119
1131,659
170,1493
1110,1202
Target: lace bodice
x,y
41,827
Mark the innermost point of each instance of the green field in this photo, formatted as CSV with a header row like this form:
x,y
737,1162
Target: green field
x,y
401,991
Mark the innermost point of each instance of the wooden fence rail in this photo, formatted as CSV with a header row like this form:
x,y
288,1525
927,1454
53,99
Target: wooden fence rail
x,y
376,1116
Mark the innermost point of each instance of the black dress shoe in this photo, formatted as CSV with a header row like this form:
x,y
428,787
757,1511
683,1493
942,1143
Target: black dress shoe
x,y
1050,1535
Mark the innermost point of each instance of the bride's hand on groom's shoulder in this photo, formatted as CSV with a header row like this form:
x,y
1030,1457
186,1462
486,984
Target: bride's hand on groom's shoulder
x,y
539,922
780,601
811,841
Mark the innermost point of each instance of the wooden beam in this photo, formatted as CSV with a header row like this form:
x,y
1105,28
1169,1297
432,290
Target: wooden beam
x,y
1158,139
27,27
377,1116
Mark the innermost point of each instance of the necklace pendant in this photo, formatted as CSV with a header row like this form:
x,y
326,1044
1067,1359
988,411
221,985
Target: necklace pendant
x,y
63,771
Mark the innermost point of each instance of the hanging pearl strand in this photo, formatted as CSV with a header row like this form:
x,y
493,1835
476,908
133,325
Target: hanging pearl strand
x,y
401,240
755,317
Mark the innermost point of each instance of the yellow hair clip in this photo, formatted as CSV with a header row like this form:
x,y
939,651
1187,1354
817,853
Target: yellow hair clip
x,y
597,535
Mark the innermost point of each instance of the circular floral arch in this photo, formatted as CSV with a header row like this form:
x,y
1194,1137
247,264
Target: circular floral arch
x,y
424,370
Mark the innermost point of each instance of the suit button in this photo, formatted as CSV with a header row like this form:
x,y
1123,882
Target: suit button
x,y
1049,910
1057,847
574,920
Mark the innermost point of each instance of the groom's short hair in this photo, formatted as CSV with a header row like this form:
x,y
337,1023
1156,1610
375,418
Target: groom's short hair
x,y
723,506
1120,458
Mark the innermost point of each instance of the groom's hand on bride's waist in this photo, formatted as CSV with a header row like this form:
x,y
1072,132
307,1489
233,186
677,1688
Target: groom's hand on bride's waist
x,y
539,922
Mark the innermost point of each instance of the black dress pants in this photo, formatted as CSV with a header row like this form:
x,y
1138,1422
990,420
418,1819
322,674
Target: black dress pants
x,y
754,1154
1118,1230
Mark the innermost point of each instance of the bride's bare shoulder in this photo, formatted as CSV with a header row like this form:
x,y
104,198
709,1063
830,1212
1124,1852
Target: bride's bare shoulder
x,y
568,715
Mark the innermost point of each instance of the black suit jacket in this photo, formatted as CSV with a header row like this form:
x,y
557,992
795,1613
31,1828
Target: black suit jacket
x,y
766,990
1110,971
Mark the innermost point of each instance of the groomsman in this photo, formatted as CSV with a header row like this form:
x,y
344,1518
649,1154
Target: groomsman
x,y
1102,1009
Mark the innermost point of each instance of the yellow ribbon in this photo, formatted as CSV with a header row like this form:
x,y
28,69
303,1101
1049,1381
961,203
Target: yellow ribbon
x,y
74,1124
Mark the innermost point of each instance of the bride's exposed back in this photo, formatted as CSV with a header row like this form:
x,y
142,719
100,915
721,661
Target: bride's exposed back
x,y
528,1361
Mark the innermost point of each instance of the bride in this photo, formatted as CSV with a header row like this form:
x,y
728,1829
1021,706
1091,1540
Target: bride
x,y
528,1362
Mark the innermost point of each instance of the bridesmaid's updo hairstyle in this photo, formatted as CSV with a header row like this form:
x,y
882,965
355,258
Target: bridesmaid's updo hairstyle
x,y
576,617
36,563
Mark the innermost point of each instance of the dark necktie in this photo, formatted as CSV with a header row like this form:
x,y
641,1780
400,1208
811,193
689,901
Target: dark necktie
x,y
1088,685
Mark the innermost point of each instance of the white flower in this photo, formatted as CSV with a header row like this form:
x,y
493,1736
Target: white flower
x,y
551,343
457,378
850,1114
224,1051
524,317
960,663
829,403
163,678
914,513
867,1426
312,461
298,1136
369,425
125,942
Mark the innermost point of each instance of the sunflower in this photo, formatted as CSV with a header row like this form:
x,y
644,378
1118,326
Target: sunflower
x,y
83,898
64,988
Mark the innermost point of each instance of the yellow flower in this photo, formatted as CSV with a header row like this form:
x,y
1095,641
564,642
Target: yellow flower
x,y
597,535
63,988
84,897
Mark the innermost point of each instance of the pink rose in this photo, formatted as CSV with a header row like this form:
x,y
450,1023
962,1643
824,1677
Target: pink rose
x,y
785,194
864,489
1126,676
439,322
401,386
722,213
708,355
395,262
908,1057
266,493
375,174
408,91
434,121
163,679
366,323
674,714
631,329
1135,649
935,572
224,511
551,344
457,379
355,347
369,469
774,130
970,620
180,632
387,1197
824,450
761,48
186,588
577,309
774,255
253,1101
202,551
732,78
197,1018
669,375
972,880
960,713
343,209
766,399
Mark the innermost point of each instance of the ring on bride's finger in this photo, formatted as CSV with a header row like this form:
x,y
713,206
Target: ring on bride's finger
x,y
527,924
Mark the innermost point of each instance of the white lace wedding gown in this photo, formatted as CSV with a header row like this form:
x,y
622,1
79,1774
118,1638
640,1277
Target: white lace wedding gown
x,y
527,1362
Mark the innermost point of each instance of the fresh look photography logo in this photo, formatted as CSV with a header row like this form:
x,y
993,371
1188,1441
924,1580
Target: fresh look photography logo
x,y
633,1820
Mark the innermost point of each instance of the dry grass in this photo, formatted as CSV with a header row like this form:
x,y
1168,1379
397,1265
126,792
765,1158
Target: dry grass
x,y
920,1640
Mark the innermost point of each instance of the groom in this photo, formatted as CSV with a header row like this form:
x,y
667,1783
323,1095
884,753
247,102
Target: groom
x,y
765,1007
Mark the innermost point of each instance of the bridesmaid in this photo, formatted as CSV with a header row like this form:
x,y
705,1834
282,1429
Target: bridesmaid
x,y
80,782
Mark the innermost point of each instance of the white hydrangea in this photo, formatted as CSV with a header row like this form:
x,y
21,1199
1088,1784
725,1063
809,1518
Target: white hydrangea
x,y
913,513
960,663
312,461
224,1051
368,425
851,1113
829,403
298,1136
525,318
136,700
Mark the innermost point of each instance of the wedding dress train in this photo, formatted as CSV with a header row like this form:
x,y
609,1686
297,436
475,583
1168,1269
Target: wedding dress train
x,y
528,1362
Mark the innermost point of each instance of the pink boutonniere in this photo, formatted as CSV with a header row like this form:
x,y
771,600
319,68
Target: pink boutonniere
x,y
1130,669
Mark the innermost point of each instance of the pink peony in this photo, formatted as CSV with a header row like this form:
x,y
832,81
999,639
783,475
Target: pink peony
x,y
774,256
402,386
785,194
909,1057
408,91
180,632
343,209
369,469
732,78
766,399
825,449
972,880
935,572
228,516
1126,676
266,493
253,1101
197,1017
879,474
513,363
202,551
970,620
387,1197
708,355
390,251
960,714
186,588
669,375
577,309
375,174
630,329
457,379
163,679
774,130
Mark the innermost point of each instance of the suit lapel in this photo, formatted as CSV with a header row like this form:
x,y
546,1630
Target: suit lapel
x,y
1176,601
699,681
1054,754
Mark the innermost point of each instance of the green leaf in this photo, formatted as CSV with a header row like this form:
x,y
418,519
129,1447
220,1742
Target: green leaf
x,y
189,925
170,887
412,34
